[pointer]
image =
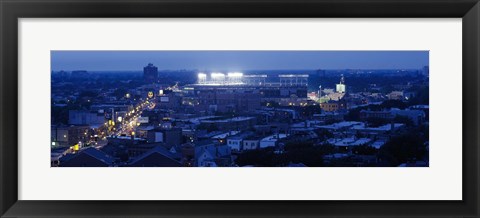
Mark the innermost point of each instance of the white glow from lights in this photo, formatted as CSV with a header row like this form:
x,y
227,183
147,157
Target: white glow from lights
x,y
294,75
238,78
235,75
255,76
217,75
202,76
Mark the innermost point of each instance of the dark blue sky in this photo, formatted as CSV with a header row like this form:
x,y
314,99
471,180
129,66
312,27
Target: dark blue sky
x,y
237,60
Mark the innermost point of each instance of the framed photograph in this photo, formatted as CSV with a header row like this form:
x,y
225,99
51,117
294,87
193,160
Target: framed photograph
x,y
239,108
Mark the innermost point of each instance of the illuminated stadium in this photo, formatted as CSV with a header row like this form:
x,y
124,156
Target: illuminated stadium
x,y
239,79
236,91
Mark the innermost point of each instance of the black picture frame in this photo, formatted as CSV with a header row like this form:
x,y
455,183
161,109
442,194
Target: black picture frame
x,y
12,10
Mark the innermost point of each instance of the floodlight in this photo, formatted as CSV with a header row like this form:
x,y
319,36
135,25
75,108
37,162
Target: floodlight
x,y
217,75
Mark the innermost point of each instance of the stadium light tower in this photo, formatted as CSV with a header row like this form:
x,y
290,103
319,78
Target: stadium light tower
x,y
218,77
202,78
234,77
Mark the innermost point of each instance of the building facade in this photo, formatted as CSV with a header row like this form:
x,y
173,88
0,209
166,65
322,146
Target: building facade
x,y
150,73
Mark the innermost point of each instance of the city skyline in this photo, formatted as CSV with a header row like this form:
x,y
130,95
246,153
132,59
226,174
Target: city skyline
x,y
237,60
232,117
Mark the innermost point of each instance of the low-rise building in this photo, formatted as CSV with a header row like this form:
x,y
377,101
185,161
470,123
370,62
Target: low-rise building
x,y
344,125
236,142
251,143
90,157
271,141
395,95
329,116
69,135
235,123
170,136
84,117
367,114
157,157
416,116
332,106
387,128
211,155
348,142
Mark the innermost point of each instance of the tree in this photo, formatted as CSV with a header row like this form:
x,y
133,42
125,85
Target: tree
x,y
323,134
295,152
208,127
403,119
421,97
120,93
259,157
393,104
88,94
354,114
403,148
376,121
387,89
364,150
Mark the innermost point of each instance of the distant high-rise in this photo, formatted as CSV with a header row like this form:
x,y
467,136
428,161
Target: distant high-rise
x,y
150,73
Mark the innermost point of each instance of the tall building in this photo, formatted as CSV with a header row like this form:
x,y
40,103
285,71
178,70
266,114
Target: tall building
x,y
341,87
150,73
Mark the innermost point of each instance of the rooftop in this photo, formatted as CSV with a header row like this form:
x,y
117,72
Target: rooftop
x,y
274,138
234,119
342,124
351,141
225,135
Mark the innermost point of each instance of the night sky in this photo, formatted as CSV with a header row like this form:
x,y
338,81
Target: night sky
x,y
236,60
